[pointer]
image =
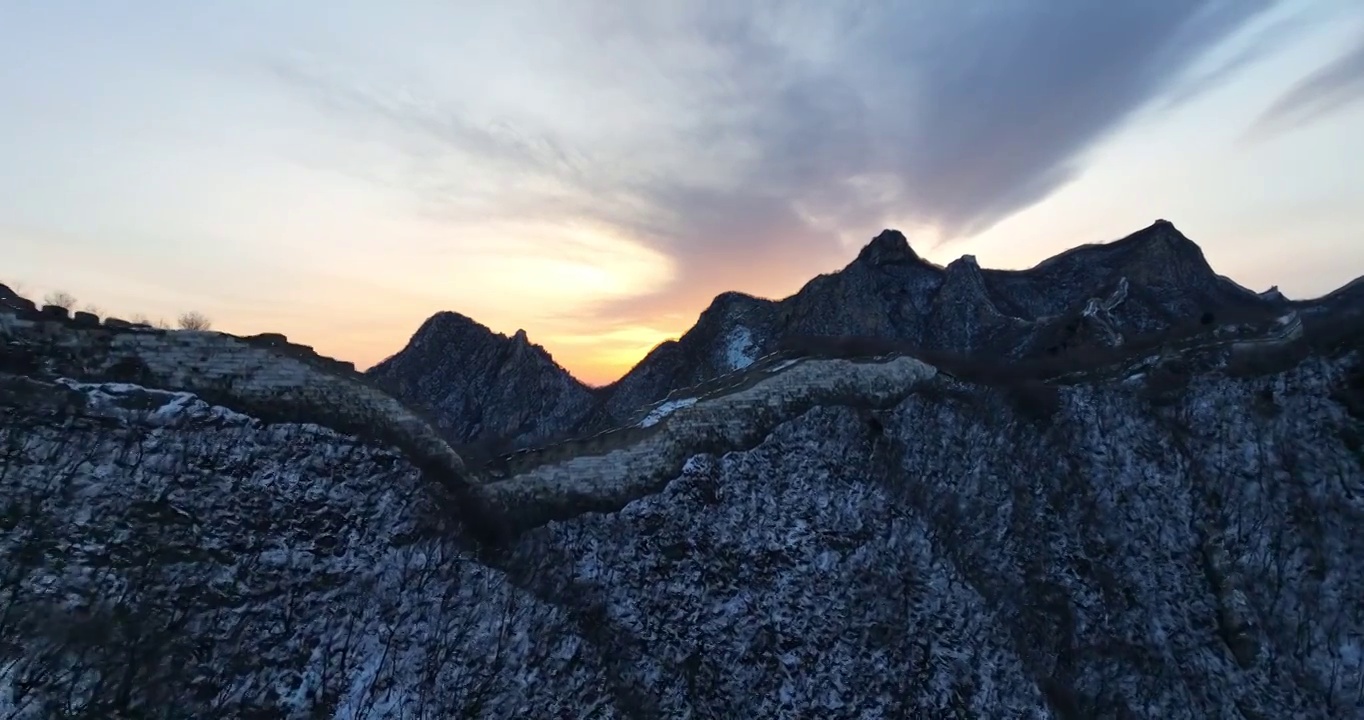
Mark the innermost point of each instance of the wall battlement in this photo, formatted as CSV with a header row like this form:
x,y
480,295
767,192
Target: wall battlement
x,y
262,375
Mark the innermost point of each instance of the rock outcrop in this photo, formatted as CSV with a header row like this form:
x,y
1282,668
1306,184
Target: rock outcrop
x,y
264,376
481,386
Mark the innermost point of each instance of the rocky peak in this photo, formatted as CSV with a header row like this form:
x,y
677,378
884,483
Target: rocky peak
x,y
962,307
731,305
444,326
1273,294
1161,248
962,280
479,385
889,248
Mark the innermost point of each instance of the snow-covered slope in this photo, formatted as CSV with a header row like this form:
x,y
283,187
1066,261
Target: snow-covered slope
x,y
956,554
162,556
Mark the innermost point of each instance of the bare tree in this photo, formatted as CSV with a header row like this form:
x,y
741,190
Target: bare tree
x,y
194,321
60,298
92,308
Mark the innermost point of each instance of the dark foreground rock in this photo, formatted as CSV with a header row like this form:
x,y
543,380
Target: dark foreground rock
x,y
1113,554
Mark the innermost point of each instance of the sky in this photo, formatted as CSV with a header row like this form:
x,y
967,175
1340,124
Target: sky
x,y
594,171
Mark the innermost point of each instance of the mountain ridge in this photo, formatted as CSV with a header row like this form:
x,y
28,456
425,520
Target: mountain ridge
x,y
497,387
844,530
887,291
877,541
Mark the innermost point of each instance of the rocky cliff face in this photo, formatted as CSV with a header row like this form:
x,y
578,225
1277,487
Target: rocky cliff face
x,y
478,385
1094,296
953,552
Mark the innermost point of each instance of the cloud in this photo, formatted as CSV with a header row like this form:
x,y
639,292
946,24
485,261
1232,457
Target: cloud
x,y
740,140
1328,89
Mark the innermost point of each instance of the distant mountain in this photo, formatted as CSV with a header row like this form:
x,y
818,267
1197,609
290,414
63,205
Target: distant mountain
x,y
1153,279
478,385
1147,283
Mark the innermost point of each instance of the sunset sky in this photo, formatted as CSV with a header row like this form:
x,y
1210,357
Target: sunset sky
x,y
596,171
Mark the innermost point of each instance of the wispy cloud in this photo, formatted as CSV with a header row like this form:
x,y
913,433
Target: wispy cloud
x,y
762,129
599,170
1330,88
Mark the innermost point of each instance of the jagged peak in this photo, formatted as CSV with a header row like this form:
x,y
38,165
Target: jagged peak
x,y
448,320
734,297
440,326
891,247
964,272
1159,239
1162,231
964,262
730,302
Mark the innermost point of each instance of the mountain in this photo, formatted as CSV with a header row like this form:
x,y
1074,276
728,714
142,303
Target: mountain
x,y
1173,535
1155,279
1092,297
478,385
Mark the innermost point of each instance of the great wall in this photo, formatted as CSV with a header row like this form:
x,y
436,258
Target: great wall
x,y
270,378
263,375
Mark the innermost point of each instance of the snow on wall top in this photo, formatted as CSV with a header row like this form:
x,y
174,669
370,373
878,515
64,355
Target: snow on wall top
x,y
731,420
258,379
265,376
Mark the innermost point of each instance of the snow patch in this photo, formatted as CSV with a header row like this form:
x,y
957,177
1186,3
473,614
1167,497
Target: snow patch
x,y
668,408
176,406
740,350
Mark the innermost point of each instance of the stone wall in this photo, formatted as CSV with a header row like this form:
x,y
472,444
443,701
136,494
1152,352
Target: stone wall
x,y
265,376
270,378
730,421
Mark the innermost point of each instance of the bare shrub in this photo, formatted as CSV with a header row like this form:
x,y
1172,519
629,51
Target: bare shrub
x,y
195,321
60,298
